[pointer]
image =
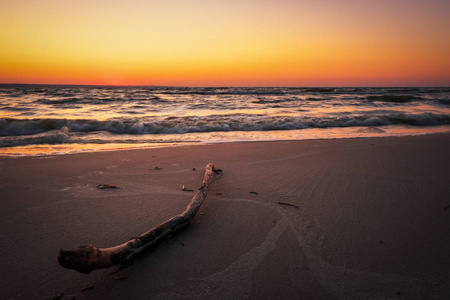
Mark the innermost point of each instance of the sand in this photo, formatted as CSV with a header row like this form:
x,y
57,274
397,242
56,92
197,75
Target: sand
x,y
368,219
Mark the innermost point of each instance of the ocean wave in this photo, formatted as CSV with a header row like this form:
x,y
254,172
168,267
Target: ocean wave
x,y
94,100
60,101
445,102
394,98
234,122
271,91
225,92
320,90
57,97
51,137
276,100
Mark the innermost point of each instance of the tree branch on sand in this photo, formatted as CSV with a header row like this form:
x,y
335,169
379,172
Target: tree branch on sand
x,y
87,258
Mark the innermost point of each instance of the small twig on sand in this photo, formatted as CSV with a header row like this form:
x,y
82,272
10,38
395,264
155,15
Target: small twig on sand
x,y
219,173
289,204
186,189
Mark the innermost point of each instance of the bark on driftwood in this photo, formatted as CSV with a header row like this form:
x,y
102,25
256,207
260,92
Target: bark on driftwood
x,y
87,258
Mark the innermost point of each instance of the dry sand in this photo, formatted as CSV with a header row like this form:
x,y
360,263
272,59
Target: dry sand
x,y
370,219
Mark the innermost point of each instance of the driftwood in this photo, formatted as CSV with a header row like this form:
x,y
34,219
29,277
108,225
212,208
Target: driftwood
x,y
87,258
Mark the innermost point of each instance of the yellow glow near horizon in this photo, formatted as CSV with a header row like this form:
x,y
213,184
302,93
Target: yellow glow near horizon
x,y
247,42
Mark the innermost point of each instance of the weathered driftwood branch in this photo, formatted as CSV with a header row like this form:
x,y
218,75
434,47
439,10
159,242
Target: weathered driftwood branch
x,y
87,258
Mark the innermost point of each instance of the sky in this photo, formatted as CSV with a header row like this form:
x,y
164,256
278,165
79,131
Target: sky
x,y
226,43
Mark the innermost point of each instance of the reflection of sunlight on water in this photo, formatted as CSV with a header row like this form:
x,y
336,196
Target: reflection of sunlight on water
x,y
171,140
38,150
321,133
106,118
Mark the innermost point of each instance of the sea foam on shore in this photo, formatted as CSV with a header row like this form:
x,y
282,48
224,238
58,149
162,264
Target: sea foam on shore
x,y
65,119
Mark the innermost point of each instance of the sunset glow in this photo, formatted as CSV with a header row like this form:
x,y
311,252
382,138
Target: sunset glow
x,y
226,43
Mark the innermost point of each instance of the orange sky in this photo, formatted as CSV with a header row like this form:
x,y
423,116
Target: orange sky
x,y
226,43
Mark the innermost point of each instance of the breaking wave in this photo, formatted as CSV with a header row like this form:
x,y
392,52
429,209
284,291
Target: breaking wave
x,y
50,137
236,122
34,114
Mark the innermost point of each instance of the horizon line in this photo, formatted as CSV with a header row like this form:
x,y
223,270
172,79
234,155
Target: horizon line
x,y
218,86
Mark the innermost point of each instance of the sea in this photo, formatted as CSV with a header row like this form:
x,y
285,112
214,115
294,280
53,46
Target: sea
x,y
38,120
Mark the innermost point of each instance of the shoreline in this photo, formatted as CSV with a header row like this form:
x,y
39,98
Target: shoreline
x,y
64,149
369,219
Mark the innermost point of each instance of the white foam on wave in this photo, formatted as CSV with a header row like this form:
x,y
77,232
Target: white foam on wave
x,y
49,137
217,123
69,116
108,142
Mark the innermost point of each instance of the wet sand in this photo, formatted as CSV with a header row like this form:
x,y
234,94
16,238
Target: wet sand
x,y
320,219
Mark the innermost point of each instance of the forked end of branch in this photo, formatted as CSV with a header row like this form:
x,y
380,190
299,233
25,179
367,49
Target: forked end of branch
x,y
84,258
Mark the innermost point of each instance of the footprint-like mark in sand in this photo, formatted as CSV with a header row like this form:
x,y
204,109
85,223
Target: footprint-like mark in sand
x,y
234,282
345,283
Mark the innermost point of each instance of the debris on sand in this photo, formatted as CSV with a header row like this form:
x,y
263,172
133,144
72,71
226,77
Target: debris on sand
x,y
289,204
186,189
106,186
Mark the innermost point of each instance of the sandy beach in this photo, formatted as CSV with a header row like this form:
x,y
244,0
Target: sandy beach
x,y
361,218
